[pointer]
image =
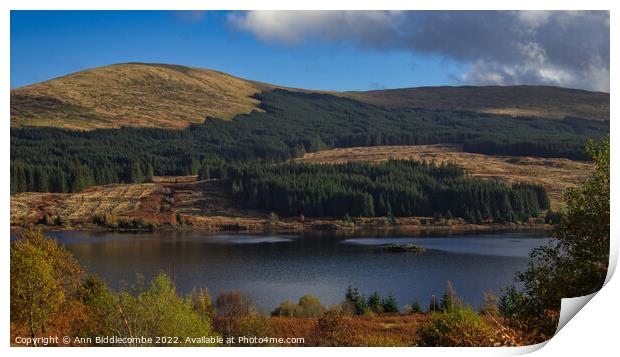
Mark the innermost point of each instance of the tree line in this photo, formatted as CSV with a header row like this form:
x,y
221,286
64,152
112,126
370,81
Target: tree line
x,y
393,188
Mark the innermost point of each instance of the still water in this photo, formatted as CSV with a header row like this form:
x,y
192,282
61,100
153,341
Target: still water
x,y
274,268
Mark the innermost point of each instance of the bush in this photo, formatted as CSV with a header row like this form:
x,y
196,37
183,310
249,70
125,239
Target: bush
x,y
231,308
311,306
157,310
287,309
106,220
308,306
203,303
143,310
489,307
136,223
334,330
101,308
254,325
456,327
45,278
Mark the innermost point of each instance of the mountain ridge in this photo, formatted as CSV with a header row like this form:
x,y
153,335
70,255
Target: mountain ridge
x,y
175,96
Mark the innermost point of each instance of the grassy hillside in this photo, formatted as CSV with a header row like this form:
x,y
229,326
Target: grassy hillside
x,y
535,101
172,96
132,94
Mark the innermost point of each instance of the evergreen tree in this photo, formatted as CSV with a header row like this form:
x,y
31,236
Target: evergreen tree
x,y
136,175
389,304
374,303
415,307
203,172
357,299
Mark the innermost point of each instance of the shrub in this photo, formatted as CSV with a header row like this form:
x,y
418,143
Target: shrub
x,y
335,329
137,223
489,306
287,309
308,306
273,219
157,310
254,325
106,220
101,308
58,221
45,220
203,304
230,309
458,327
44,279
311,306
346,308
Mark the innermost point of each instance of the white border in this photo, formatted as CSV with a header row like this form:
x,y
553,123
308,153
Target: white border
x,y
592,330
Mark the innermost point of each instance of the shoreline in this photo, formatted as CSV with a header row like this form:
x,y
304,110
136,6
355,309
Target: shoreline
x,y
338,227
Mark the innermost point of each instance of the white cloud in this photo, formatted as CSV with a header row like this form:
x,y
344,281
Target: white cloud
x,y
564,48
294,26
534,18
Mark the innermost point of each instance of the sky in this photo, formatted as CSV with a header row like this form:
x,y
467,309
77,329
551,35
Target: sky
x,y
330,50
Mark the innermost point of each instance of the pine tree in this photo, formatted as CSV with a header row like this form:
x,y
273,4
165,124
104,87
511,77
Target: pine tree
x,y
148,177
415,307
203,172
136,175
389,304
374,303
357,299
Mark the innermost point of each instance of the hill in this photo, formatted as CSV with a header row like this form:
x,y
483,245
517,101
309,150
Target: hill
x,y
172,96
132,94
534,101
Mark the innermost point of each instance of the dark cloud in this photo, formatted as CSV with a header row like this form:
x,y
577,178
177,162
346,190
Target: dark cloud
x,y
565,48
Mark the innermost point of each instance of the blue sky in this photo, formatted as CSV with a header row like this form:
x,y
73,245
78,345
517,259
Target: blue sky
x,y
47,44
332,50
